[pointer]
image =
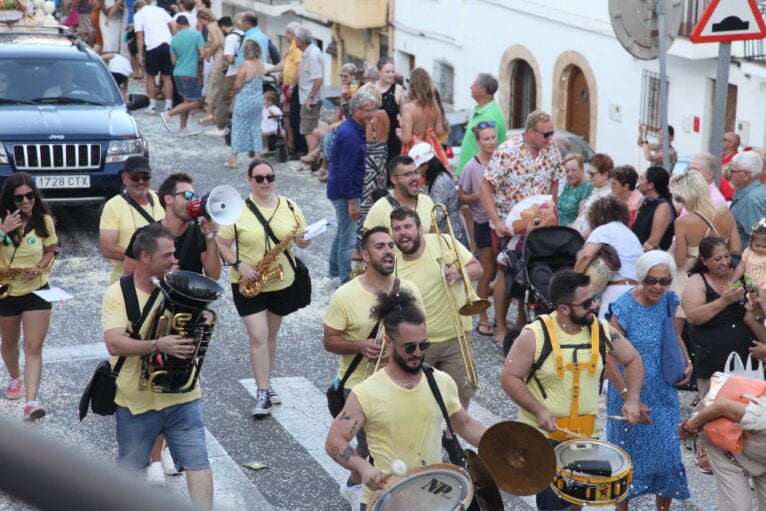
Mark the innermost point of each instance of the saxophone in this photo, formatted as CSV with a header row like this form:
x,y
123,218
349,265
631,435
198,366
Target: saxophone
x,y
9,274
267,274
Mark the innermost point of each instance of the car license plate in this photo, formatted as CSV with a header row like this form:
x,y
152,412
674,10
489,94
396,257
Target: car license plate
x,y
63,181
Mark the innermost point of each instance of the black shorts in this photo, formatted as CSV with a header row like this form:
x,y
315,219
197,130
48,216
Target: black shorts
x,y
482,234
15,305
132,42
279,302
158,61
120,78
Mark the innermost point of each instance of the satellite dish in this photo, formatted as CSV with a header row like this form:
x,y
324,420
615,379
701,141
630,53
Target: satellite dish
x,y
636,25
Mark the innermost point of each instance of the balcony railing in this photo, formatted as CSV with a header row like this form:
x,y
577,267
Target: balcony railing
x,y
693,10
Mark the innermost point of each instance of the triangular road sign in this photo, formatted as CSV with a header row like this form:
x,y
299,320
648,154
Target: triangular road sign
x,y
729,20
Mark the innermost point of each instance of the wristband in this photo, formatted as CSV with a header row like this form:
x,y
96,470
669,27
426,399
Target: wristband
x,y
156,349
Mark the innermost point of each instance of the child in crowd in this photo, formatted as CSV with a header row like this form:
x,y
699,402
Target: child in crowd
x,y
272,115
753,262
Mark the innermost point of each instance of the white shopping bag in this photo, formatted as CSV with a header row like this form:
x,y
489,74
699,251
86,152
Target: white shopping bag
x,y
753,368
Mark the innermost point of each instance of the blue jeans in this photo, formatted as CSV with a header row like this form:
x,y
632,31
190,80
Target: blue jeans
x,y
344,242
184,429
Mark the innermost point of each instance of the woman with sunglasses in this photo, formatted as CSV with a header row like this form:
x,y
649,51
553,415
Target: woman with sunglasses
x,y
28,241
639,315
262,314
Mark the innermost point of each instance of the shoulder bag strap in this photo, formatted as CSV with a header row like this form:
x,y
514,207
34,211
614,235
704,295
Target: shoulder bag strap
x,y
394,203
267,227
135,317
138,208
428,371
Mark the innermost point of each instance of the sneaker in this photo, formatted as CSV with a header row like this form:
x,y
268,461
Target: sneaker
x,y
262,404
186,132
215,132
168,465
165,120
274,397
150,110
14,388
155,475
352,494
33,411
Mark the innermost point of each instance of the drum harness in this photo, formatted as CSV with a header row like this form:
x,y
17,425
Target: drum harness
x,y
599,340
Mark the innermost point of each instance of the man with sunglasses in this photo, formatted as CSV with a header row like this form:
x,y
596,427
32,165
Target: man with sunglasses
x,y
487,111
123,214
195,242
351,332
396,406
524,166
553,370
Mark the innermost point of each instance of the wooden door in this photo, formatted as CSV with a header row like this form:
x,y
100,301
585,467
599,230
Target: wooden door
x,y
578,104
731,108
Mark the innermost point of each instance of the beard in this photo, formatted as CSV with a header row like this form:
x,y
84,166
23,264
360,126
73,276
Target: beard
x,y
402,363
584,320
415,246
383,270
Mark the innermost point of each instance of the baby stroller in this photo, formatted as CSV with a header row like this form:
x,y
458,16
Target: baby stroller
x,y
545,251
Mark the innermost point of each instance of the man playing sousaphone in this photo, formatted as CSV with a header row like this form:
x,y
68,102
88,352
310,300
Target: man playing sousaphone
x,y
553,371
396,406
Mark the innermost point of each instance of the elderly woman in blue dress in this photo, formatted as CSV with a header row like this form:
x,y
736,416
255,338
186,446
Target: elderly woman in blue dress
x,y
654,447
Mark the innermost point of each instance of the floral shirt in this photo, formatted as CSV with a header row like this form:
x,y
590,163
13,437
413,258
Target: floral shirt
x,y
516,175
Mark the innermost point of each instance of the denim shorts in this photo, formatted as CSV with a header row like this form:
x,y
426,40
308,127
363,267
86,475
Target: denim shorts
x,y
188,87
184,429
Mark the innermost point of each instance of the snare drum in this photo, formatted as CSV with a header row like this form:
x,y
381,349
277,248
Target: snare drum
x,y
591,472
438,487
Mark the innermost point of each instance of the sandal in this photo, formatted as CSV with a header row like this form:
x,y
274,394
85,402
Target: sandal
x,y
487,333
230,166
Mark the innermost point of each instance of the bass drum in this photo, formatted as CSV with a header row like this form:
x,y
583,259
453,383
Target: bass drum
x,y
438,487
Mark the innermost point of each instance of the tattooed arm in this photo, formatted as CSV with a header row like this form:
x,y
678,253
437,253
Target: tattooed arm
x,y
345,426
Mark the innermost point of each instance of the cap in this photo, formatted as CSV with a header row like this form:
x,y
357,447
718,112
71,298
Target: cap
x,y
421,153
136,165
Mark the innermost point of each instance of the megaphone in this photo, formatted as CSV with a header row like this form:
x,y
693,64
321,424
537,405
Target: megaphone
x,y
222,205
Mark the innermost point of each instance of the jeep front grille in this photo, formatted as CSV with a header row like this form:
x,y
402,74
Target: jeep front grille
x,y
57,156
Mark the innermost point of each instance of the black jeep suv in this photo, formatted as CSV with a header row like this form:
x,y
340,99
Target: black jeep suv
x,y
62,117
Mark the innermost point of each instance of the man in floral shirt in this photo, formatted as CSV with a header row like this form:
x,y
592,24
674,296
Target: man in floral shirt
x,y
525,165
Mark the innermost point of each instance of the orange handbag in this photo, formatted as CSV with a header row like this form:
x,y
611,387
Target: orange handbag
x,y
723,432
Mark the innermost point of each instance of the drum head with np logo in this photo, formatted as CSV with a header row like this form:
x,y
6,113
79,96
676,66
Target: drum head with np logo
x,y
439,487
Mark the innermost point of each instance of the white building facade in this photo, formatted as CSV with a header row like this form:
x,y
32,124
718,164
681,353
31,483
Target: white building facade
x,y
562,56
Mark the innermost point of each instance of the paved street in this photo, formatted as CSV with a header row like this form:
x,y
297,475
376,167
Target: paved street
x,y
300,476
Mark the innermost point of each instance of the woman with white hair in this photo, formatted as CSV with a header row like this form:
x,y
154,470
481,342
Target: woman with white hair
x,y
654,448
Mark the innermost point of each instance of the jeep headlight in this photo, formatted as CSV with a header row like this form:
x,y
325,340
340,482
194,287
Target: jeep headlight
x,y
3,155
121,150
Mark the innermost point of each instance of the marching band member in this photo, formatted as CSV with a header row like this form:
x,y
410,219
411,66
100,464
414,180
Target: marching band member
x,y
142,414
396,406
558,359
350,331
28,241
418,261
123,214
255,242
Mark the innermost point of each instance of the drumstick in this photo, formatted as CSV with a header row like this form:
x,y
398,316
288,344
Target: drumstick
x,y
573,434
617,418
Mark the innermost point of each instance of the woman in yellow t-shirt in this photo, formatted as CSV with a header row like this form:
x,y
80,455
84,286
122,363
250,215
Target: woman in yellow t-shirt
x,y
262,314
27,240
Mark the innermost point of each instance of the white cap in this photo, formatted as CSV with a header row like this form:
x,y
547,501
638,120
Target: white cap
x,y
421,153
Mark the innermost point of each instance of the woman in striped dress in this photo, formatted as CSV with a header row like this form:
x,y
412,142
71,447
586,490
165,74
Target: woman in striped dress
x,y
376,159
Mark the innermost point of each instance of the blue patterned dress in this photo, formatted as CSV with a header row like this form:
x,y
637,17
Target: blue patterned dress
x,y
654,450
246,119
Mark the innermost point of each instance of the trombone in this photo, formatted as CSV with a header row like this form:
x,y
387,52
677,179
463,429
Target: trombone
x,y
473,304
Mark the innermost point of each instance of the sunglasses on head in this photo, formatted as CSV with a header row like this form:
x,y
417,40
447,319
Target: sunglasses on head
x,y
260,179
140,177
486,124
19,197
585,304
663,281
409,347
187,195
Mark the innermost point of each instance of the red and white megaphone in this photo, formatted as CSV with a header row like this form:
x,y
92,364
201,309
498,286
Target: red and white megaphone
x,y
222,205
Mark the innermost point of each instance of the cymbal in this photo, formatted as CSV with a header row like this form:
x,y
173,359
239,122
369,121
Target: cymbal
x,y
519,458
484,485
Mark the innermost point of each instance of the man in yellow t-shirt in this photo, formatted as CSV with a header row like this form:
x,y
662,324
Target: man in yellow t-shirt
x,y
396,406
123,214
142,414
348,325
418,261
405,182
547,395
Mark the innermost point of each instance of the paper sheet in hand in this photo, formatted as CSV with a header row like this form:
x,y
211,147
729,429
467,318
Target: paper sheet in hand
x,y
54,294
315,229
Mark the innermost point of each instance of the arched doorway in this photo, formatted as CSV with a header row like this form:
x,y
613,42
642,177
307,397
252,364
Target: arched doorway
x,y
578,103
523,98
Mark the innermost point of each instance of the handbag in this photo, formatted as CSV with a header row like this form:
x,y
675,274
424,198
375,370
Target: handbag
x,y
752,368
673,363
301,288
336,397
102,387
